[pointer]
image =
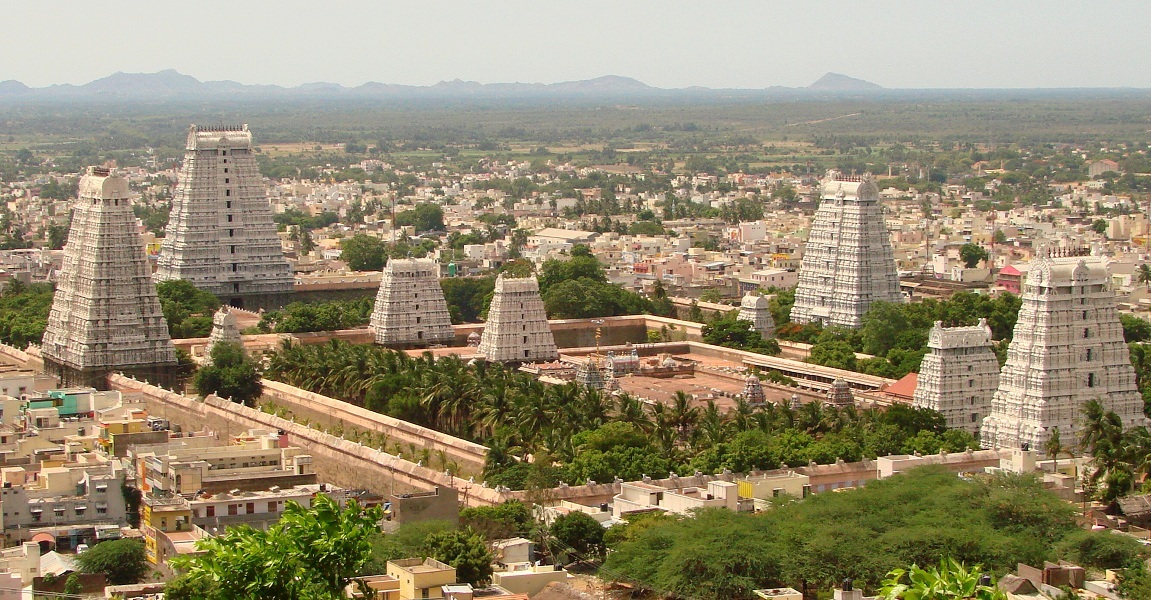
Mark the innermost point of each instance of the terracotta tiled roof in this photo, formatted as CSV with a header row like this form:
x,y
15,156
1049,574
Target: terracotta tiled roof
x,y
905,387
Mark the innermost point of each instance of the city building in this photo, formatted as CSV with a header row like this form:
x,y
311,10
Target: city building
x,y
59,501
440,504
220,235
105,315
517,329
410,307
848,263
959,375
421,577
1067,349
19,565
527,578
762,488
640,496
754,309
252,462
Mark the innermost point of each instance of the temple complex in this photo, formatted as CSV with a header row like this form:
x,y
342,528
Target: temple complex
x,y
410,307
847,262
517,328
959,375
220,234
224,331
754,309
105,314
1067,349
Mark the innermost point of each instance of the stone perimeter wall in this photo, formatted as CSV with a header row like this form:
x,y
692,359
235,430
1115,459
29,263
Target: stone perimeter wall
x,y
29,359
336,460
330,412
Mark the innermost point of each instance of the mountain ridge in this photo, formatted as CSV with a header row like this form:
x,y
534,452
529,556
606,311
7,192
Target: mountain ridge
x,y
170,83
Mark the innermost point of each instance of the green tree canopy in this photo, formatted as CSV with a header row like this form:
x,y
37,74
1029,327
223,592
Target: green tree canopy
x,y
510,519
585,298
310,554
554,270
187,309
972,255
299,317
423,217
231,375
122,562
579,533
465,550
1134,329
24,312
466,296
860,534
363,252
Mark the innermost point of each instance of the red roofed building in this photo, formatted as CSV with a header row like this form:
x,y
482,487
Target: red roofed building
x,y
903,390
1010,279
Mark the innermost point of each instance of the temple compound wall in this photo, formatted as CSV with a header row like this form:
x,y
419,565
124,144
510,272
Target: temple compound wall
x,y
1067,349
340,461
220,235
105,314
959,375
848,262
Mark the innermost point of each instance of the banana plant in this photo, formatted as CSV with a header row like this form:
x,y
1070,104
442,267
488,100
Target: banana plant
x,y
951,580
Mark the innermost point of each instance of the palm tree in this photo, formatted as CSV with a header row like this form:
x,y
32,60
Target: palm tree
x,y
1093,426
1145,275
630,409
684,416
1054,447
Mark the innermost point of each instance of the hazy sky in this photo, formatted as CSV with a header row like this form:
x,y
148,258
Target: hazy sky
x,y
665,43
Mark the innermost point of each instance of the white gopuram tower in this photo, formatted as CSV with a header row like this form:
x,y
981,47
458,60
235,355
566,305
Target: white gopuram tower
x,y
224,331
410,307
1067,349
847,261
517,328
754,309
220,235
105,315
958,375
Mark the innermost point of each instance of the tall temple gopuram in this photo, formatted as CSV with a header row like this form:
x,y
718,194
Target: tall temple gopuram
x,y
1067,349
517,328
220,234
105,315
958,375
847,262
410,308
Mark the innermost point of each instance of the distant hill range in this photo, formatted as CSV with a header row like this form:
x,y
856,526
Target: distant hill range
x,y
171,85
842,83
